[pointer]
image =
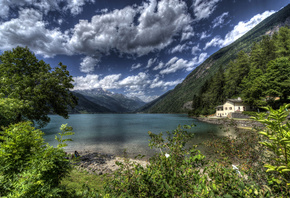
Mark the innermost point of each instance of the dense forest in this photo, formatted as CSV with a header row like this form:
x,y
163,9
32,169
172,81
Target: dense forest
x,y
173,102
259,77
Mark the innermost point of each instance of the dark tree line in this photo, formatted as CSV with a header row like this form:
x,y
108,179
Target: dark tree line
x,y
258,77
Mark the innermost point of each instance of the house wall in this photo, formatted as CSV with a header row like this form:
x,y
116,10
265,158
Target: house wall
x,y
230,107
220,113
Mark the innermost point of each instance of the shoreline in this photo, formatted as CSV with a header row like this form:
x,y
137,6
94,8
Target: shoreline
x,y
100,163
241,123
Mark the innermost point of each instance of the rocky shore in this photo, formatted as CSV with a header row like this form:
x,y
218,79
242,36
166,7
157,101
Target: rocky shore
x,y
226,121
99,163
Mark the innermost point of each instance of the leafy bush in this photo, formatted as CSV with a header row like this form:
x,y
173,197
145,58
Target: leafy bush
x,y
277,132
176,171
28,166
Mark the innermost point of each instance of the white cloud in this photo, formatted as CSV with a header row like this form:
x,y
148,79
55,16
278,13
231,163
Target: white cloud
x,y
204,8
134,85
176,64
216,41
157,83
88,64
30,30
159,66
178,48
204,35
74,6
92,81
110,82
150,62
135,66
238,31
157,24
219,21
187,33
195,49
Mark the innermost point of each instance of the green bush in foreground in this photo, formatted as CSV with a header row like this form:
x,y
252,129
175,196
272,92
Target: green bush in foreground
x,y
176,171
277,132
28,166
179,170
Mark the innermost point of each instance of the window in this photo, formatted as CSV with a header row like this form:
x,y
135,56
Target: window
x,y
226,108
230,108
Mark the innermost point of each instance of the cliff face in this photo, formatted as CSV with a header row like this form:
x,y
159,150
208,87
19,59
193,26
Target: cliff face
x,y
174,101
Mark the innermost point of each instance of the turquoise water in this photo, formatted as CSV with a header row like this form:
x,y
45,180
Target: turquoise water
x,y
112,133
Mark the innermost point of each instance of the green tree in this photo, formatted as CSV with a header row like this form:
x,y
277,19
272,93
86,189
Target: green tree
x,y
278,78
34,83
282,42
28,166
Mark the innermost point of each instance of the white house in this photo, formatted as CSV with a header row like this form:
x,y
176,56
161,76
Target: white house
x,y
231,105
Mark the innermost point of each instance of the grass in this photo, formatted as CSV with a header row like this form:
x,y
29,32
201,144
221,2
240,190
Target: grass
x,y
77,179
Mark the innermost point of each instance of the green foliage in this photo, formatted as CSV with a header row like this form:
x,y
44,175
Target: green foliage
x,y
35,84
277,132
65,131
9,110
258,77
176,171
268,50
28,166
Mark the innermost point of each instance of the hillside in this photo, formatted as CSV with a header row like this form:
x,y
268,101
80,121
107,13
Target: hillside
x,y
184,92
86,106
114,102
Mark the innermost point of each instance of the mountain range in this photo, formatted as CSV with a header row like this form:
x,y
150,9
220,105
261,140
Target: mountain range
x,y
103,101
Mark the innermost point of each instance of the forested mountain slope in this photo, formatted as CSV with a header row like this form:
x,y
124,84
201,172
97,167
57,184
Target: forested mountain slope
x,y
184,92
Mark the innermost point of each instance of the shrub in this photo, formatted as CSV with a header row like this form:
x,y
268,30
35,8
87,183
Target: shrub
x,y
175,171
277,132
28,166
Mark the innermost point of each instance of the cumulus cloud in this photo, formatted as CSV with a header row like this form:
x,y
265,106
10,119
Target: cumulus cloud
x,y
176,64
74,6
219,21
204,35
92,81
178,48
30,30
159,66
157,83
151,61
239,30
135,66
88,64
134,85
204,8
157,24
195,49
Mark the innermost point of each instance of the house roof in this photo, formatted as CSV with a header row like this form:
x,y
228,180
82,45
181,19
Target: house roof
x,y
235,100
219,106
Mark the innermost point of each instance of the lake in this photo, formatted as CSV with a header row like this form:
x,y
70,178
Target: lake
x,y
112,133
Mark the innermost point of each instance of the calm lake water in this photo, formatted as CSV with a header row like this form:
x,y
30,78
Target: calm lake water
x,y
112,133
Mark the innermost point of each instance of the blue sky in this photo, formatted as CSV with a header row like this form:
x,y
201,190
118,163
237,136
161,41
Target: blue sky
x,y
137,48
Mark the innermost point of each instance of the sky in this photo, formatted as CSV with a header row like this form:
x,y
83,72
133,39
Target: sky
x,y
140,48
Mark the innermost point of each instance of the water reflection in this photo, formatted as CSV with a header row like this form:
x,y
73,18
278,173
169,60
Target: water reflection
x,y
112,133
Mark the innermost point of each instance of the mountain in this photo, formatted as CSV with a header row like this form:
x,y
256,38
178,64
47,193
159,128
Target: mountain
x,y
113,101
174,101
87,106
149,105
